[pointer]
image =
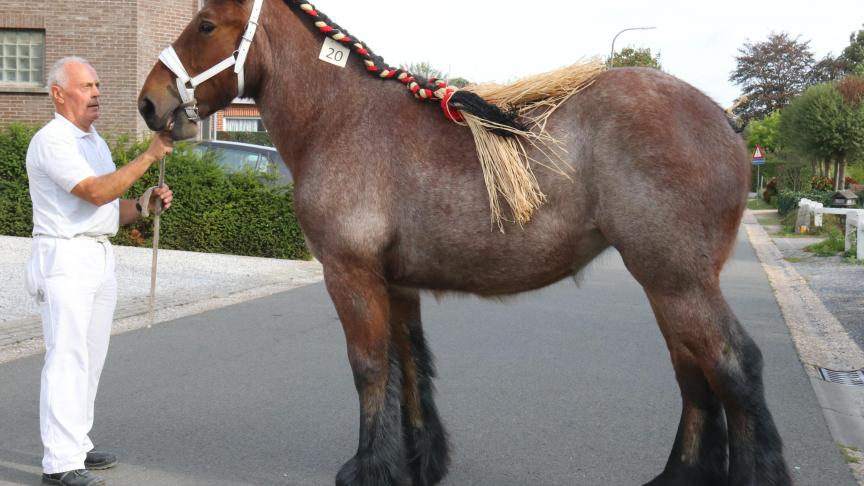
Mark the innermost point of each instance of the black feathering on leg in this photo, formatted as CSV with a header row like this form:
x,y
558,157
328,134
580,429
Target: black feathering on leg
x,y
379,460
428,449
755,446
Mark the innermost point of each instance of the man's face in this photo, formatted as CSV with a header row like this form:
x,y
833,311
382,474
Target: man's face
x,y
78,101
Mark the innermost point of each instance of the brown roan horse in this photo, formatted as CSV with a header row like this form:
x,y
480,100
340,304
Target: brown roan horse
x,y
391,198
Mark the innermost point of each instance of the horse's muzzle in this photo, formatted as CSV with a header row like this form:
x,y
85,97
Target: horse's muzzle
x,y
177,121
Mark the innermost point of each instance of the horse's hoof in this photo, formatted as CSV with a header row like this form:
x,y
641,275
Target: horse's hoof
x,y
686,477
430,456
348,474
369,472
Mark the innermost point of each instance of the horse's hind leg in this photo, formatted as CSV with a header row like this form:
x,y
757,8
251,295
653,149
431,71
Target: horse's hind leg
x,y
425,437
699,454
704,335
361,300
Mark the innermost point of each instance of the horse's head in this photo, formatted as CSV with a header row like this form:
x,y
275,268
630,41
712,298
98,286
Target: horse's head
x,y
203,70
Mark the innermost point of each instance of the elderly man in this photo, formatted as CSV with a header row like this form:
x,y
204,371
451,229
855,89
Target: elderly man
x,y
75,186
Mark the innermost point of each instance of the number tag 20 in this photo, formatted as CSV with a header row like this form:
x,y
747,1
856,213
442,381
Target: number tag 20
x,y
334,53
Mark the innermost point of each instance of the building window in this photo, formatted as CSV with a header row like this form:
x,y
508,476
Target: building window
x,y
233,124
22,57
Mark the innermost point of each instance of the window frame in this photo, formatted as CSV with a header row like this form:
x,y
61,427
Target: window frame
x,y
23,86
257,119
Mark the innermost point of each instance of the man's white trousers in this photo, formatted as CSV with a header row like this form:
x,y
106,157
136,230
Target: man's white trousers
x,y
74,283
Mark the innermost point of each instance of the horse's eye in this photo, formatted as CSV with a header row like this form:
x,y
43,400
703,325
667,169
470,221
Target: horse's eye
x,y
206,27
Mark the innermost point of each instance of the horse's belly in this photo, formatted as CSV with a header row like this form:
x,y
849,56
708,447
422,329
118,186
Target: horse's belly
x,y
511,266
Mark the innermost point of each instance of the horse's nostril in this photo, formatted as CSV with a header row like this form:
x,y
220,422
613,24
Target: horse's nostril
x,y
146,108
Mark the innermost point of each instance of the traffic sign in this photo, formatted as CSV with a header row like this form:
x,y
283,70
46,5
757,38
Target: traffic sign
x,y
758,156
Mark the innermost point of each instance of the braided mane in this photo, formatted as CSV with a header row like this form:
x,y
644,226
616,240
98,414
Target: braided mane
x,y
452,99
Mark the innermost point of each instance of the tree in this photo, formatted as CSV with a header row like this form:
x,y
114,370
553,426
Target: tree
x,y
765,133
785,163
630,57
828,69
771,73
853,55
423,70
850,61
458,82
827,123
427,71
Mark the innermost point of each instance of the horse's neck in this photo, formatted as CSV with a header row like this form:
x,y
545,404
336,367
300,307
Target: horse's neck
x,y
303,100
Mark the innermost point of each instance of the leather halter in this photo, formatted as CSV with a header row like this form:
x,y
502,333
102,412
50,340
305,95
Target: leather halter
x,y
186,84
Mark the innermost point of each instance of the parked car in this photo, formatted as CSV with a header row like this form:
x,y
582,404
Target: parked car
x,y
236,156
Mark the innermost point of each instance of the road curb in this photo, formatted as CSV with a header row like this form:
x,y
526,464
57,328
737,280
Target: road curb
x,y
821,341
29,340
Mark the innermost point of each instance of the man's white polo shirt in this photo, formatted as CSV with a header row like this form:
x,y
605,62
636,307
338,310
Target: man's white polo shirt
x,y
60,156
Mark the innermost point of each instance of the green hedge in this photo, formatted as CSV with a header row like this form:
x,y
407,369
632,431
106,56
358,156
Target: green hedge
x,y
788,200
16,211
212,212
258,138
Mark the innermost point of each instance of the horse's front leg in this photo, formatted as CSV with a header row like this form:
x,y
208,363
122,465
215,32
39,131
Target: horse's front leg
x,y
425,437
361,300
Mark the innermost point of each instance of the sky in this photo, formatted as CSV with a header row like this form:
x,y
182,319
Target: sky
x,y
497,41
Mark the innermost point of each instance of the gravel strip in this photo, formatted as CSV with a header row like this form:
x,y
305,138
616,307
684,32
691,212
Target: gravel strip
x,y
187,283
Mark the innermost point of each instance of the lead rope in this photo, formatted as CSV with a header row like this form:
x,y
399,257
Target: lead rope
x,y
157,212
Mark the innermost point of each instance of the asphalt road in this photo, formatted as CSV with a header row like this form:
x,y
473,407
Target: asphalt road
x,y
566,386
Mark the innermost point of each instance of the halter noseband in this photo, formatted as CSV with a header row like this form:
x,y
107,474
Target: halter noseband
x,y
186,84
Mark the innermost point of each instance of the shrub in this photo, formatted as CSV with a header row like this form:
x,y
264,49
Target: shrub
x,y
848,182
215,212
770,190
821,183
16,211
788,200
212,211
835,243
258,138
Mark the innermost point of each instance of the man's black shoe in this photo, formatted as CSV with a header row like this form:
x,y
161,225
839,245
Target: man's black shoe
x,y
99,460
81,477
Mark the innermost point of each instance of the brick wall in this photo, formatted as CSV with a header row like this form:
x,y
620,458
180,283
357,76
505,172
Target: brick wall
x,y
121,38
31,105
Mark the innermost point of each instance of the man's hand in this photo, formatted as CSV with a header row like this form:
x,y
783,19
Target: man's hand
x,y
161,145
164,194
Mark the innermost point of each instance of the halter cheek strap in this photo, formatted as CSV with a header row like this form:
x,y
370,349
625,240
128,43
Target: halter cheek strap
x,y
186,84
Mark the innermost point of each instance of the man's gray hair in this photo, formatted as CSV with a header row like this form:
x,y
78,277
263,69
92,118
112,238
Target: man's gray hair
x,y
57,73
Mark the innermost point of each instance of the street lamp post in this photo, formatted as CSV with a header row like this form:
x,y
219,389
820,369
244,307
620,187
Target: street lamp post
x,y
612,52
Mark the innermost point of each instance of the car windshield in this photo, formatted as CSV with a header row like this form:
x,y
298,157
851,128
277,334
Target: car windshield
x,y
269,163
236,160
258,159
